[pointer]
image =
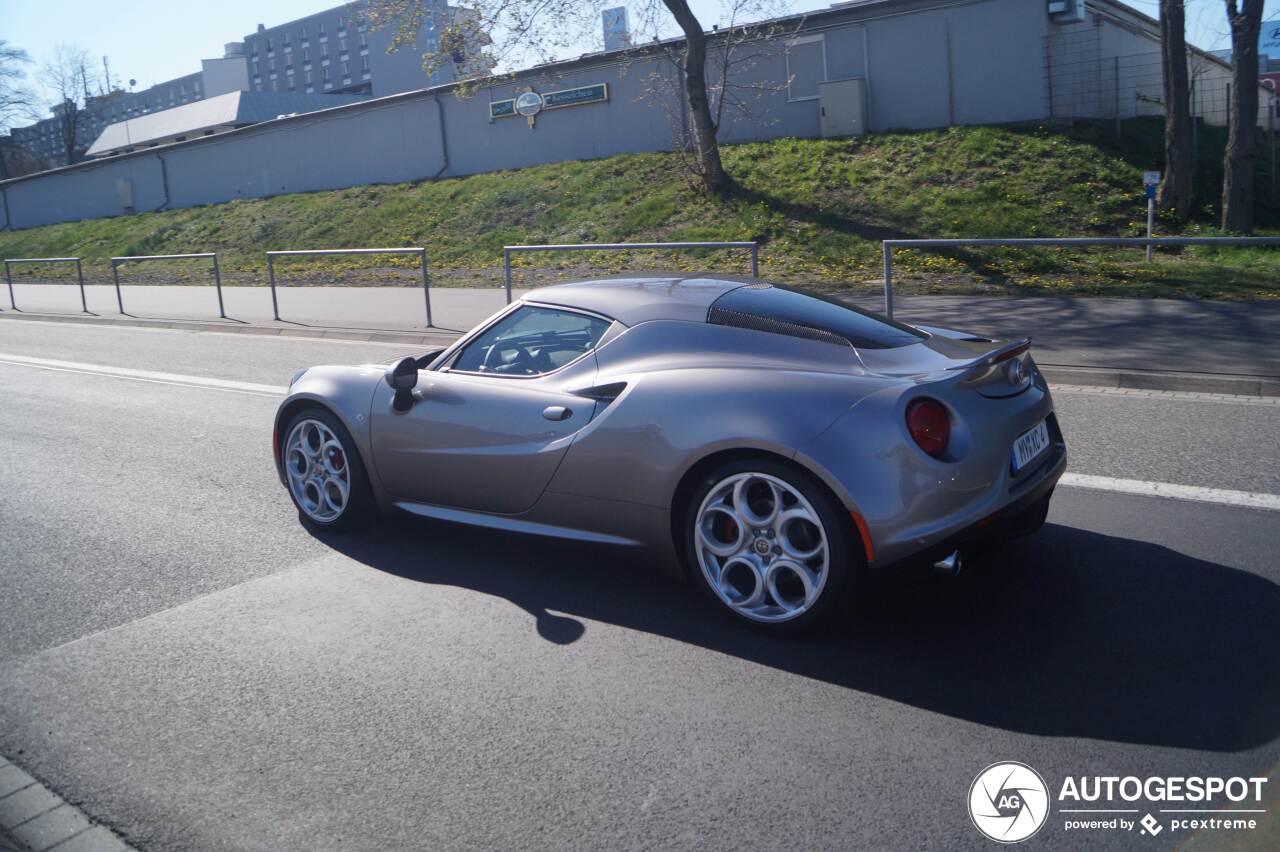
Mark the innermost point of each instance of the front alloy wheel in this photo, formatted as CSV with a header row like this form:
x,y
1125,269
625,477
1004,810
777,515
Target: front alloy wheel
x,y
323,471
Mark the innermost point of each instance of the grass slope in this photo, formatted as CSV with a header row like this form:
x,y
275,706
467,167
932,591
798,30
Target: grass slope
x,y
818,206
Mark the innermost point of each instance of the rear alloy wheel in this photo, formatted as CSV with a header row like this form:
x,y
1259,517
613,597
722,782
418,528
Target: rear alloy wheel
x,y
768,545
323,471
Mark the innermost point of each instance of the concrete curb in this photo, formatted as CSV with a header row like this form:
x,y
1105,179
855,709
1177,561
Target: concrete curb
x,y
1162,380
35,819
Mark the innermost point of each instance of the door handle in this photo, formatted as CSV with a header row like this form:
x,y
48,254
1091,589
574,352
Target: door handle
x,y
557,412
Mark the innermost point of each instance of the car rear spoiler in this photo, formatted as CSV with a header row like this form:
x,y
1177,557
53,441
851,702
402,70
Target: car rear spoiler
x,y
1012,349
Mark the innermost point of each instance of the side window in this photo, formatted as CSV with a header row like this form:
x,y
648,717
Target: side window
x,y
531,341
806,67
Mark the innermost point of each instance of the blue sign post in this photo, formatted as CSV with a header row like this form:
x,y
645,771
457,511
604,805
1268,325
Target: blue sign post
x,y
1150,180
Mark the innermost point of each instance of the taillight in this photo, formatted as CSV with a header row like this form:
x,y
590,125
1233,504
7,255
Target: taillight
x,y
929,425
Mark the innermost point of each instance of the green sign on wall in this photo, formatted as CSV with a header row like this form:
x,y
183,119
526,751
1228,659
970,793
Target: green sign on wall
x,y
594,94
574,97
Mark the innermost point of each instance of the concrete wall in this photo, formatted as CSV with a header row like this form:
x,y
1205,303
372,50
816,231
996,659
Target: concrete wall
x,y
927,63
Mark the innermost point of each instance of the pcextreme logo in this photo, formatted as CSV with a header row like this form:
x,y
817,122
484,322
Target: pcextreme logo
x,y
1009,802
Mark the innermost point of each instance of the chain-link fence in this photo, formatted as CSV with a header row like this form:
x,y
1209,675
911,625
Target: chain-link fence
x,y
1110,76
1088,76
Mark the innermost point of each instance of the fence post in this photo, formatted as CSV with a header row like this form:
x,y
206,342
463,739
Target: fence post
x,y
1117,76
506,271
271,277
115,276
217,283
888,279
426,288
755,260
9,280
1271,131
84,305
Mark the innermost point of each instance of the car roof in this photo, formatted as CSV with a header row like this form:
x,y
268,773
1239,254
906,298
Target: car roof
x,y
632,300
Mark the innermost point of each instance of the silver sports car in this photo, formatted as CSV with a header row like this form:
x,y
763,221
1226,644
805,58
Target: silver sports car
x,y
776,447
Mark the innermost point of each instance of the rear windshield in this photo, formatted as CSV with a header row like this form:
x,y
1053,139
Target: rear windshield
x,y
768,307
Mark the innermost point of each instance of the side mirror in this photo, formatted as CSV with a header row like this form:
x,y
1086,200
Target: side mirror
x,y
402,376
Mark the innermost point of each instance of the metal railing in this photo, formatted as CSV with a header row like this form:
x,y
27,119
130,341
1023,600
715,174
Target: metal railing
x,y
8,278
418,250
1069,242
217,276
507,251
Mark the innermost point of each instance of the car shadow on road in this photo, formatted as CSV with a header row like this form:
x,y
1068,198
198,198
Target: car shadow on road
x,y
1066,633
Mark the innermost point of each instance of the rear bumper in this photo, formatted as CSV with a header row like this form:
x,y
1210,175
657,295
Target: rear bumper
x,y
997,526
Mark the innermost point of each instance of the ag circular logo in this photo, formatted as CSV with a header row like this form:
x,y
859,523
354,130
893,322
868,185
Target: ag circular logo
x,y
1008,802
529,103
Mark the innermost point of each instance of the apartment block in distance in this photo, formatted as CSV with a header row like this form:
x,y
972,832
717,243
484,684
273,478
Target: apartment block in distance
x,y
332,52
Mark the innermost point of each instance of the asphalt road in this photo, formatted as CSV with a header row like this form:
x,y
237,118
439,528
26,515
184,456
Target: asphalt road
x,y
183,660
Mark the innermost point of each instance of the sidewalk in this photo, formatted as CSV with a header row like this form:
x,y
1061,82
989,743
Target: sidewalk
x,y
1152,343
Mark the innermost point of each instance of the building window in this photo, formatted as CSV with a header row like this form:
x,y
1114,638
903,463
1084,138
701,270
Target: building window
x,y
271,65
364,63
346,70
306,77
806,67
306,55
342,45
255,68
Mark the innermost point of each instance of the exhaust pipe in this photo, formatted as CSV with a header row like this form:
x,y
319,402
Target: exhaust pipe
x,y
950,566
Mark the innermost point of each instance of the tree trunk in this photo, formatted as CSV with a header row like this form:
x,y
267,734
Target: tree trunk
x,y
1175,186
695,81
1240,161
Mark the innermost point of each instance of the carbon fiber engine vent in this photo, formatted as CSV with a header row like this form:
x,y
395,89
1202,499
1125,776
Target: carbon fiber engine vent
x,y
755,322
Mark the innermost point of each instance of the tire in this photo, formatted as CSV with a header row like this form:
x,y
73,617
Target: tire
x,y
318,491
809,564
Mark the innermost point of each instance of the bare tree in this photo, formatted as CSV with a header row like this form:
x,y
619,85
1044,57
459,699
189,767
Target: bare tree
x,y
503,33
735,88
17,101
1175,186
1239,163
69,78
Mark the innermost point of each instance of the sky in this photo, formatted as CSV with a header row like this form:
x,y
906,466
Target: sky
x,y
155,40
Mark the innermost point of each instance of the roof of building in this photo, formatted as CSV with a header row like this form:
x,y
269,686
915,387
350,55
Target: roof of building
x,y
234,109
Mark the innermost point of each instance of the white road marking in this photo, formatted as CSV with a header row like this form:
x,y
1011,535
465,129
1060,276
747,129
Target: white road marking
x,y
1199,494
151,376
1249,499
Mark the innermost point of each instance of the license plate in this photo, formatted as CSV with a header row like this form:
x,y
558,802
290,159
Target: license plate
x,y
1030,444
